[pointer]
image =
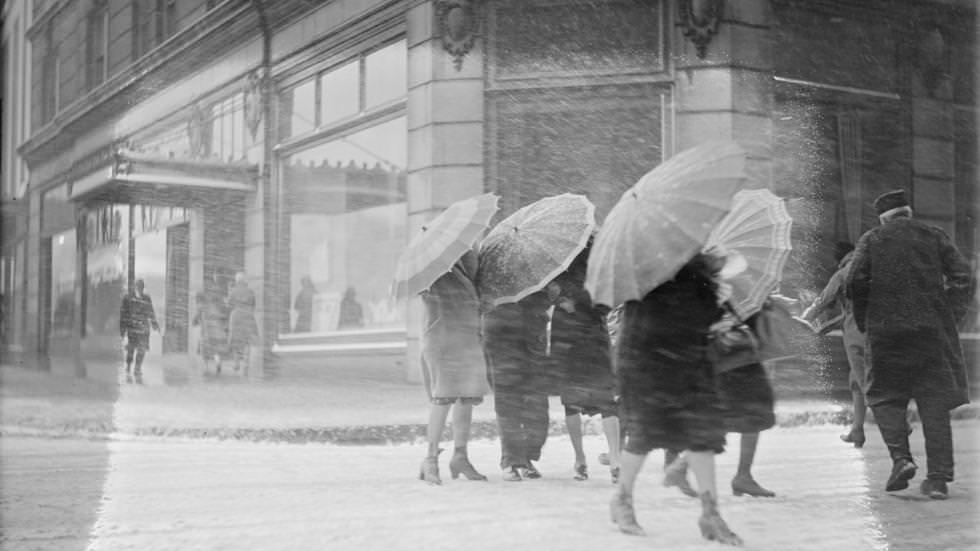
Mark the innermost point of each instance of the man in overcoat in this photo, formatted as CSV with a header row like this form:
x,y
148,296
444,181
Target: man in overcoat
x,y
909,286
136,318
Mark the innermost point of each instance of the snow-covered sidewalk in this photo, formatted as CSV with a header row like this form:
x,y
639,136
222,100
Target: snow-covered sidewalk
x,y
195,494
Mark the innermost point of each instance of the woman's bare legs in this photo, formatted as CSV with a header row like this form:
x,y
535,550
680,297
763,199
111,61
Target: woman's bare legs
x,y
610,427
429,471
743,483
621,508
460,462
713,527
573,423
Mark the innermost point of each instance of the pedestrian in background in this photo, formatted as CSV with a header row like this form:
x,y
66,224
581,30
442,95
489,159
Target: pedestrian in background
x,y
454,368
136,319
242,329
581,364
909,286
212,319
351,312
304,306
516,341
669,397
834,296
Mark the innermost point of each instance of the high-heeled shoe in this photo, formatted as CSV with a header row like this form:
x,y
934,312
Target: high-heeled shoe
x,y
614,474
713,527
581,472
429,471
529,471
622,514
460,465
510,474
748,486
855,437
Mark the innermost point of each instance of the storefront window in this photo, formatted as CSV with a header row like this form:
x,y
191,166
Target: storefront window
x,y
347,217
385,77
339,93
228,129
63,254
302,108
107,228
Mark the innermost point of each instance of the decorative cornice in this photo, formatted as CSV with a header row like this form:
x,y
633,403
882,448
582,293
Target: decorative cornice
x,y
700,20
458,22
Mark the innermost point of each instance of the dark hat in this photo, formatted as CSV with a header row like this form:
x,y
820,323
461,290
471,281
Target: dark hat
x,y
891,200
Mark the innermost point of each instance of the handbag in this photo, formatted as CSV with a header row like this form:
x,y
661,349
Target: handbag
x,y
732,348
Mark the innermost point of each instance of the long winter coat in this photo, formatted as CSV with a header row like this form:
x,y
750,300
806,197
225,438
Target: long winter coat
x,y
909,285
213,319
581,360
242,329
515,337
453,364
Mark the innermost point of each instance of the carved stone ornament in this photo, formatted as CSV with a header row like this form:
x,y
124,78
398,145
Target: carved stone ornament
x,y
458,22
196,121
700,19
253,102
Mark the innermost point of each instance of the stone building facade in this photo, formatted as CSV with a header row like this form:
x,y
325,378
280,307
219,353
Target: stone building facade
x,y
289,140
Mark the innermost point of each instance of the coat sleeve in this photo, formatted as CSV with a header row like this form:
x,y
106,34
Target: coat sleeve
x,y
858,285
960,286
828,297
152,314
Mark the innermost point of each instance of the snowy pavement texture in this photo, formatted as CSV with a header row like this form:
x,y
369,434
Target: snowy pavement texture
x,y
190,494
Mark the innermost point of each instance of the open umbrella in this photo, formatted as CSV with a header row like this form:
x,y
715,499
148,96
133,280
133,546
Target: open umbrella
x,y
758,228
441,243
534,245
662,222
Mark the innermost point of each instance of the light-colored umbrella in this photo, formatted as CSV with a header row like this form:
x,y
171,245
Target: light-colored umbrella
x,y
533,246
441,243
663,221
758,227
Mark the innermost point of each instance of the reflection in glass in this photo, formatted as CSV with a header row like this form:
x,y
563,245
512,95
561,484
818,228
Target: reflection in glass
x,y
105,276
348,221
62,285
339,93
385,76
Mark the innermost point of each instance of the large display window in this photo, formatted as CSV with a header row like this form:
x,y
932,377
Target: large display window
x,y
345,211
347,219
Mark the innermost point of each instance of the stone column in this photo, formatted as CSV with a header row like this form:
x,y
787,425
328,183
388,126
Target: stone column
x,y
728,91
31,340
445,124
933,163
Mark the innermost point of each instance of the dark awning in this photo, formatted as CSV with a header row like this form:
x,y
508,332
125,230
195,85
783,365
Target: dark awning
x,y
133,178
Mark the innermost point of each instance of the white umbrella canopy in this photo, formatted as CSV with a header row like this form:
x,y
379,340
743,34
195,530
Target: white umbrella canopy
x,y
663,221
758,228
533,246
441,243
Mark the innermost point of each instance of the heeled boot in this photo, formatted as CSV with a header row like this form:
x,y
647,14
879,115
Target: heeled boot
x,y
713,527
621,513
429,471
460,465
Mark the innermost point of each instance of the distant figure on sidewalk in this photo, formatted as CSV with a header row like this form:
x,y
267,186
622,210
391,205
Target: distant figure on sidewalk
x,y
304,306
834,296
212,319
454,368
136,319
351,313
909,285
242,329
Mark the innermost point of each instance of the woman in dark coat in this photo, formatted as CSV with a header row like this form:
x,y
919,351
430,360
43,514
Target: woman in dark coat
x,y
669,397
453,365
581,362
242,329
304,306
747,402
515,340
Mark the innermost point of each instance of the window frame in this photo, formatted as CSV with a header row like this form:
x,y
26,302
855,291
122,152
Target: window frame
x,y
98,14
